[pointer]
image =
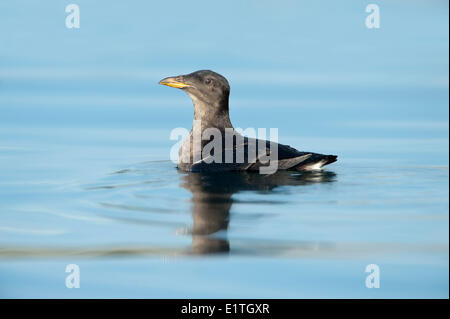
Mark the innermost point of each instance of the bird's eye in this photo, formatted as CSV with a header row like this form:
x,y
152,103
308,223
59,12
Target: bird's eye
x,y
208,81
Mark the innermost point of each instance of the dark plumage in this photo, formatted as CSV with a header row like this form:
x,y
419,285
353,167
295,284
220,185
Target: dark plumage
x,y
209,92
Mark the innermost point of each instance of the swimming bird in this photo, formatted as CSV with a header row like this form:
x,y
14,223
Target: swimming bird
x,y
210,92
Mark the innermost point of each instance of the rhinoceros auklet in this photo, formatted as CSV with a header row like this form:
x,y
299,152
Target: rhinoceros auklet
x,y
209,92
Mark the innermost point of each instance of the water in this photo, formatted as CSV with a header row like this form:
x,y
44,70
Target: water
x,y
84,148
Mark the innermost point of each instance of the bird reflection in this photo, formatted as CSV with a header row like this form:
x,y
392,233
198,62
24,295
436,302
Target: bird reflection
x,y
212,198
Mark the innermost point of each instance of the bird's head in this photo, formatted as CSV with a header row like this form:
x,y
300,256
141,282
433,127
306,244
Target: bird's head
x,y
208,90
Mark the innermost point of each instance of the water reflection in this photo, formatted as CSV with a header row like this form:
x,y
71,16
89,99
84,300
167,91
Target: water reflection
x,y
212,199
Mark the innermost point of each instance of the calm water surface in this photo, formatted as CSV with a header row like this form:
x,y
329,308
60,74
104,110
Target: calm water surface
x,y
140,228
84,146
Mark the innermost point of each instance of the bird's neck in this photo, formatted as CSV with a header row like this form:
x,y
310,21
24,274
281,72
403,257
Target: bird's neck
x,y
209,115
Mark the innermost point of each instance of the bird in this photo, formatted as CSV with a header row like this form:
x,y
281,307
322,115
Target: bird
x,y
209,92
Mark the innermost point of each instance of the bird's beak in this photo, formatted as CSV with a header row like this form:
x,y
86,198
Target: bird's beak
x,y
175,82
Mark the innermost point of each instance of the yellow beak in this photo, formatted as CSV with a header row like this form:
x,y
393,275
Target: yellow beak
x,y
174,82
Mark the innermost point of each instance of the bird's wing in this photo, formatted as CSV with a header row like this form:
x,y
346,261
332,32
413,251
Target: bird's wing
x,y
292,159
287,157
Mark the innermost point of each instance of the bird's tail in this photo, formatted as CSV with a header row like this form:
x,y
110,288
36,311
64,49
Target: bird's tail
x,y
316,161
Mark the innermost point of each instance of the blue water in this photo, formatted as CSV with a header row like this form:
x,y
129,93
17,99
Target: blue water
x,y
84,150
